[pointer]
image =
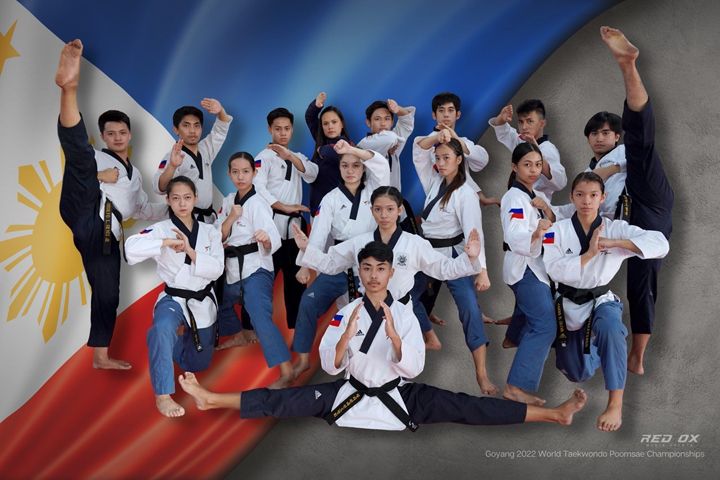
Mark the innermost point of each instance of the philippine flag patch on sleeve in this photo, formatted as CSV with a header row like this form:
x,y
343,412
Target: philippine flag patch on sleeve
x,y
335,322
549,237
517,213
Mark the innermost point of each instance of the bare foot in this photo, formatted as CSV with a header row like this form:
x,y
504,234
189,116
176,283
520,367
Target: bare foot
x,y
283,382
611,419
432,342
190,385
168,407
635,363
620,47
302,364
507,343
102,361
517,394
486,386
250,336
437,320
571,406
503,321
68,72
237,340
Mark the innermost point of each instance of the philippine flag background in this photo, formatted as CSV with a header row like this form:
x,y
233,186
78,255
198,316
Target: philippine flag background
x,y
61,419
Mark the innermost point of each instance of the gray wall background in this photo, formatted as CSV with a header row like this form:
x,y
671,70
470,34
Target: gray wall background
x,y
679,44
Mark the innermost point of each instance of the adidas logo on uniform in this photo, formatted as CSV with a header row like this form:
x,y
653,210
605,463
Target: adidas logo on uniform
x,y
311,295
360,334
568,251
317,394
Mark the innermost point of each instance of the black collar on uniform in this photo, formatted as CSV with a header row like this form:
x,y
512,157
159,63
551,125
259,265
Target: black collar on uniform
x,y
529,193
288,170
355,200
197,158
245,198
585,239
192,235
377,317
393,238
428,208
128,166
542,139
522,188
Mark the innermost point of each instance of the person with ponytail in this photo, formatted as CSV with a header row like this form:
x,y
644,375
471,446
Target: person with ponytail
x,y
451,211
327,127
412,253
343,213
251,237
526,216
189,257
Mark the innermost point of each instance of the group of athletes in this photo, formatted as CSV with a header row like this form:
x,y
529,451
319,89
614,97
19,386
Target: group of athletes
x,y
367,251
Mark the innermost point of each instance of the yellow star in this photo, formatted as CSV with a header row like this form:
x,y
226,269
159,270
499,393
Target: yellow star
x,y
6,49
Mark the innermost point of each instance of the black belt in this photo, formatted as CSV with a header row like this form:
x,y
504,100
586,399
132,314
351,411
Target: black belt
x,y
203,212
303,222
380,392
624,206
446,242
353,292
578,296
239,252
109,212
199,295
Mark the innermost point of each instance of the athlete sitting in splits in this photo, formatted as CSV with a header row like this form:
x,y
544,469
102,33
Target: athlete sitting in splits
x,y
377,342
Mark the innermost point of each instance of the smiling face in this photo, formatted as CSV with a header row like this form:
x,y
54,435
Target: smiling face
x,y
242,173
527,169
587,197
281,131
331,124
181,200
116,136
375,275
386,212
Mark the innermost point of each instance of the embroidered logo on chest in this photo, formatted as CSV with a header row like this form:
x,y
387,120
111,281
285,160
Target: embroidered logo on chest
x,y
402,260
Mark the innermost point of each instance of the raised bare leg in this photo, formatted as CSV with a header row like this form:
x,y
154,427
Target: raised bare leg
x,y
626,54
67,78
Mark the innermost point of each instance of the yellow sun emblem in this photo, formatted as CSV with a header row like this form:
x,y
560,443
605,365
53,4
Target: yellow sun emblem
x,y
54,261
